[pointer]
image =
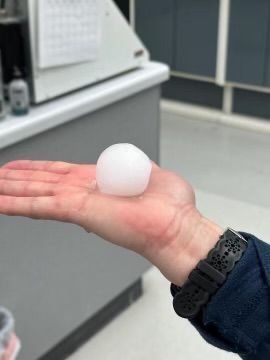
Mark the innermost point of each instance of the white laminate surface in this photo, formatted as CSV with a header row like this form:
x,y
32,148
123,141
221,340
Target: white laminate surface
x,y
72,106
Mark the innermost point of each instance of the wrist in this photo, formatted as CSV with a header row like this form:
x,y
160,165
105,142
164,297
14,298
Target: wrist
x,y
197,237
204,239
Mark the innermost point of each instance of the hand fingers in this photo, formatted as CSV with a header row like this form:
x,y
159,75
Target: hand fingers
x,y
34,207
58,167
26,175
53,167
27,188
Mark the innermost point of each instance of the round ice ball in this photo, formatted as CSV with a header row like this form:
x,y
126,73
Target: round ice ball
x,y
123,170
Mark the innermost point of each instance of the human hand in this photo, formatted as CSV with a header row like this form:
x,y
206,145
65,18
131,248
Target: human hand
x,y
163,224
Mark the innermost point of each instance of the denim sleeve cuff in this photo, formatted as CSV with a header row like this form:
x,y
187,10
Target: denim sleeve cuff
x,y
237,319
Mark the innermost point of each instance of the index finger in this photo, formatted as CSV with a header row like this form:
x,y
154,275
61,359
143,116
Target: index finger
x,y
58,167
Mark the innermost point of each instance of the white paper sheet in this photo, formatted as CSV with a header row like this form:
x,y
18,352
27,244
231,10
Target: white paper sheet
x,y
69,31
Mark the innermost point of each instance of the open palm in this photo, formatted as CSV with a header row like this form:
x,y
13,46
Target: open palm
x,y
68,192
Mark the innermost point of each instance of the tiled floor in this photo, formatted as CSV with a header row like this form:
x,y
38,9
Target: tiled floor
x,y
229,169
219,159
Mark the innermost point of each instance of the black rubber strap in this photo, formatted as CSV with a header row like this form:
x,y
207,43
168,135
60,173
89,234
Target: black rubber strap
x,y
188,302
210,286
214,274
209,275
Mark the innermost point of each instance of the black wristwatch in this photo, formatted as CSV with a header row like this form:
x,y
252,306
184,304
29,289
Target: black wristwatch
x,y
209,275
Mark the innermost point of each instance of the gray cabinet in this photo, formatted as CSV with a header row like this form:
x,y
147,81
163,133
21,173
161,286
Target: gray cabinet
x,y
55,276
267,59
181,33
247,53
154,25
196,30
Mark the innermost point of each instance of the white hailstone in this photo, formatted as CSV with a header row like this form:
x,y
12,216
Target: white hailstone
x,y
123,170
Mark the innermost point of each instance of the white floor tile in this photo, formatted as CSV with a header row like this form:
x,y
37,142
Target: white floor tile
x,y
218,159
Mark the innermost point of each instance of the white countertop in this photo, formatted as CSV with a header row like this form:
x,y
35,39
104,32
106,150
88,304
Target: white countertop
x,y
70,107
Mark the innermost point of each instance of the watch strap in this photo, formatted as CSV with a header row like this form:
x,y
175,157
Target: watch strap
x,y
209,275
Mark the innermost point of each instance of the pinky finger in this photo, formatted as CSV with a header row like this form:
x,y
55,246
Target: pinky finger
x,y
45,208
26,188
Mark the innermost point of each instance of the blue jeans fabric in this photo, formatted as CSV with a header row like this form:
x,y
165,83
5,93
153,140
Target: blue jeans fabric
x,y
237,319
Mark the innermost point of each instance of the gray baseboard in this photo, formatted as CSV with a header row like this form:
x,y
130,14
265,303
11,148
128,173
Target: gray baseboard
x,y
194,92
251,103
87,330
